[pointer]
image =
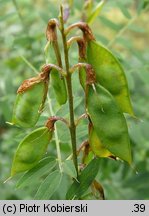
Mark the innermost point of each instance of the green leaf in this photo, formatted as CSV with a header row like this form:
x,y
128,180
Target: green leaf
x,y
138,181
85,179
140,7
124,10
110,24
64,110
2,2
136,28
146,4
49,186
95,12
45,165
110,74
108,122
7,16
69,168
31,150
125,42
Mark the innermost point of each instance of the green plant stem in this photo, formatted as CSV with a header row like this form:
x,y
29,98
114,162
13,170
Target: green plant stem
x,y
70,95
29,64
56,138
57,142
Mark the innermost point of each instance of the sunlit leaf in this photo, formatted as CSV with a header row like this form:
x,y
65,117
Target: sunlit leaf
x,y
124,10
95,12
110,74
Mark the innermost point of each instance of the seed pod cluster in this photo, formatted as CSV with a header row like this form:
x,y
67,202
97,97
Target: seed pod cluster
x,y
107,98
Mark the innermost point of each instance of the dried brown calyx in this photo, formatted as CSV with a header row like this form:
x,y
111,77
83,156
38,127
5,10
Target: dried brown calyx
x,y
84,27
27,84
51,33
51,121
82,48
90,75
48,67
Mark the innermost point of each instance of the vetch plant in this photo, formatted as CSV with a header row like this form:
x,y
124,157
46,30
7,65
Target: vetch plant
x,y
106,100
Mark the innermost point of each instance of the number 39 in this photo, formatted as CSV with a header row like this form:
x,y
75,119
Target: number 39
x,y
139,208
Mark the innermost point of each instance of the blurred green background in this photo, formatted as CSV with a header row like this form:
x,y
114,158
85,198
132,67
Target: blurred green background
x,y
120,25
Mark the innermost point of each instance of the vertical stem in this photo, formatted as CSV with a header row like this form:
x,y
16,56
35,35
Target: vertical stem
x,y
56,138
70,94
57,142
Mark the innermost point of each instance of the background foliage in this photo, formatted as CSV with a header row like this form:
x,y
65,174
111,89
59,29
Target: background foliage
x,y
120,25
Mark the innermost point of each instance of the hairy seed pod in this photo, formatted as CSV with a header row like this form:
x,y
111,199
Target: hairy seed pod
x,y
31,149
30,100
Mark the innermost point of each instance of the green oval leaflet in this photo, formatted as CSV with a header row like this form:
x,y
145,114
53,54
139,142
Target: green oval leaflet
x,y
108,122
96,145
30,150
110,74
30,101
